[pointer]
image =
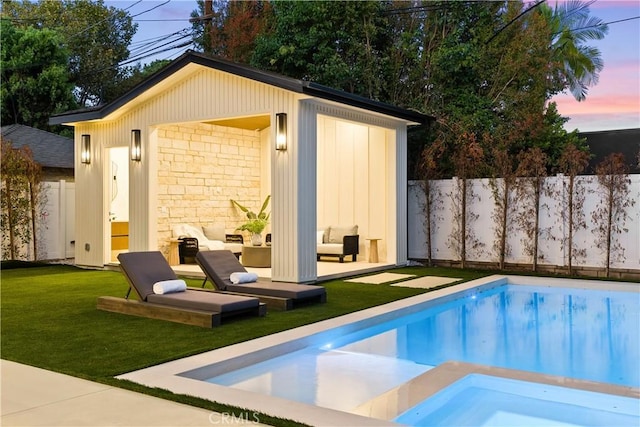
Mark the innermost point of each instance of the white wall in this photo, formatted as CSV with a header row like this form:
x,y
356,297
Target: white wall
x,y
55,226
550,248
352,185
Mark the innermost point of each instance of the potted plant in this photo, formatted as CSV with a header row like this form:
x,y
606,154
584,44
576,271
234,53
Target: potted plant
x,y
256,223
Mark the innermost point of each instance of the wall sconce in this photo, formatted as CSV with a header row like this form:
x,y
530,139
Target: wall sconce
x,y
281,131
85,149
136,149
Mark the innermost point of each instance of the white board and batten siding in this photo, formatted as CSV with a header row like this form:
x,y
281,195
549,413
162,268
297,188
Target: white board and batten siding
x,y
200,94
203,94
359,178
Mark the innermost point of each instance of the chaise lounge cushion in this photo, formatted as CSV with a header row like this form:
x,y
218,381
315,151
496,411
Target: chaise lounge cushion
x,y
219,265
144,269
206,301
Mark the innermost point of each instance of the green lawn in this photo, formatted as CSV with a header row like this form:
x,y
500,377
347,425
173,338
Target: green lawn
x,y
49,320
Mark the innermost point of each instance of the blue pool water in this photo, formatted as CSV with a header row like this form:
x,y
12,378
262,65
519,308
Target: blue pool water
x,y
529,404
583,334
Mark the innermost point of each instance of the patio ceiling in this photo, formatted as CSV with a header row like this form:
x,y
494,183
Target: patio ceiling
x,y
247,123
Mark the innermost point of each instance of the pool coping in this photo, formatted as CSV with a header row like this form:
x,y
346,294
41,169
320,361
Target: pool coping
x,y
172,375
396,401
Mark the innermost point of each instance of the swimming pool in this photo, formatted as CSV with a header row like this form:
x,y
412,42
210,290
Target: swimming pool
x,y
529,404
313,365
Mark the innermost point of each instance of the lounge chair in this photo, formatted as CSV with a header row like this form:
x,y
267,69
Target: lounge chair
x,y
219,265
192,306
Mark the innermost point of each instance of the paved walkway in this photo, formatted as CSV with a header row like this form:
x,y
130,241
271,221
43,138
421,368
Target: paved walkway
x,y
36,397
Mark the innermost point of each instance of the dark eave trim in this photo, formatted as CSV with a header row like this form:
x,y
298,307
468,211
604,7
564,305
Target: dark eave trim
x,y
272,79
330,94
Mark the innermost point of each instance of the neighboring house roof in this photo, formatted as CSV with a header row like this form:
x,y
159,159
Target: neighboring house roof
x,y
49,150
603,143
273,79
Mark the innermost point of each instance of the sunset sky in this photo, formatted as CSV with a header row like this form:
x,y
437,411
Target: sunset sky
x,y
614,103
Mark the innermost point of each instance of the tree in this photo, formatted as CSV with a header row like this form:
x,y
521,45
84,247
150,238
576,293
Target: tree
x,y
337,44
20,200
532,170
552,138
610,215
230,28
134,75
504,166
35,81
478,66
573,162
488,76
428,172
96,37
574,65
468,159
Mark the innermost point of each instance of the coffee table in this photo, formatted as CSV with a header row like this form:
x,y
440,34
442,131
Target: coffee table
x,y
256,256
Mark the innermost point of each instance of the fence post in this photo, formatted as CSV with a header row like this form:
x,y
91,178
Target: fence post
x,y
62,219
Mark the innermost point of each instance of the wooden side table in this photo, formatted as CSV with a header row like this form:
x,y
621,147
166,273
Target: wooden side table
x,y
373,249
174,256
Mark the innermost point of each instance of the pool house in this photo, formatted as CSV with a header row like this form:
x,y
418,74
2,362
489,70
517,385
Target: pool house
x,y
202,131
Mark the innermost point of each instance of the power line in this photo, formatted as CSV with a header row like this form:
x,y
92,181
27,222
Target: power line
x,y
129,61
104,20
514,20
149,10
602,24
164,20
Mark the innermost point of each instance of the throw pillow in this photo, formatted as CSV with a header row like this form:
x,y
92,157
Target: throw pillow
x,y
336,234
319,237
325,235
196,232
214,232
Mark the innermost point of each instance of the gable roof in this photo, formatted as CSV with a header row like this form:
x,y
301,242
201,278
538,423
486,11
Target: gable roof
x,y
273,79
49,150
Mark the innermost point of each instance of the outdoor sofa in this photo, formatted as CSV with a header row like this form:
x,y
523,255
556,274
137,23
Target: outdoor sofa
x,y
148,272
218,267
338,241
212,237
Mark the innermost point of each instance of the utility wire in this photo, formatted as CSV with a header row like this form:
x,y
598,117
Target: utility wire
x,y
150,47
149,10
104,20
129,61
601,24
513,20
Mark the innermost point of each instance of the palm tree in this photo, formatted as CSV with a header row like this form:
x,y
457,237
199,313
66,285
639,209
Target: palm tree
x,y
571,27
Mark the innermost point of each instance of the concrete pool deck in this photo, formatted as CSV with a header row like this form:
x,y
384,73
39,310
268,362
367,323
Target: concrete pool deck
x,y
186,376
36,397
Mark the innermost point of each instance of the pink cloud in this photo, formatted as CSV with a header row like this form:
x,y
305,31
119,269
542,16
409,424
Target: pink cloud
x,y
618,91
605,4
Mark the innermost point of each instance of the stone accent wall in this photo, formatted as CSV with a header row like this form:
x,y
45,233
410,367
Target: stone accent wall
x,y
201,168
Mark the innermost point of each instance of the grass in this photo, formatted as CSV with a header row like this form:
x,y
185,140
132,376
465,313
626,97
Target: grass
x,y
49,320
